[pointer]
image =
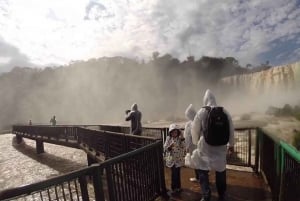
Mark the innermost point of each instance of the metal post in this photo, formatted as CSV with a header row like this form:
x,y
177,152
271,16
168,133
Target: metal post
x,y
39,147
19,139
249,147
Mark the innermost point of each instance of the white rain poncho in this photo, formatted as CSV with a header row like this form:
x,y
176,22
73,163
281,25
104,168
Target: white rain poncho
x,y
190,113
209,157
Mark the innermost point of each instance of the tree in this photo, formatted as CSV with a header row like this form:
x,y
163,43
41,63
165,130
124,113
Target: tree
x,y
155,55
249,66
231,60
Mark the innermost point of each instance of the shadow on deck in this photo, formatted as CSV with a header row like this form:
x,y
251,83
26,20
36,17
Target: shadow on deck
x,y
241,186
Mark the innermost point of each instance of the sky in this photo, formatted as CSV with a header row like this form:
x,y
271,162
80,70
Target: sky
x,y
38,33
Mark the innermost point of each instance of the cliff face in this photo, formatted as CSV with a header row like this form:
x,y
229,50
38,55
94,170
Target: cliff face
x,y
281,78
255,92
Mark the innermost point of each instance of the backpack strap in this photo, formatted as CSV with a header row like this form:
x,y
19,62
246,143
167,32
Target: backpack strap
x,y
208,108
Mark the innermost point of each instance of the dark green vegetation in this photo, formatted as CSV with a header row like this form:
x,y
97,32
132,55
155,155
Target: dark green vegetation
x,y
287,110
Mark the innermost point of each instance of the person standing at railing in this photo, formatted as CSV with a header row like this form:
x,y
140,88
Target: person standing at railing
x,y
212,130
53,121
190,113
174,148
135,116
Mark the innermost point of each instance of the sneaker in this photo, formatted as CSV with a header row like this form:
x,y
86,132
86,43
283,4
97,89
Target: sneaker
x,y
193,179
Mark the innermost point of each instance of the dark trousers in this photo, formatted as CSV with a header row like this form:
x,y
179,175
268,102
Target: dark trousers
x,y
220,183
175,177
197,174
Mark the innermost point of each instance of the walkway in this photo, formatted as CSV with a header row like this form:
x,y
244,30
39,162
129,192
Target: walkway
x,y
242,186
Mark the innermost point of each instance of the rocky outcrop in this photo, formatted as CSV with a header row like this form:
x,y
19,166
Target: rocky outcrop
x,y
280,78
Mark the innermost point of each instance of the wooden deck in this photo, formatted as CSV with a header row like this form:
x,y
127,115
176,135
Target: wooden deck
x,y
241,186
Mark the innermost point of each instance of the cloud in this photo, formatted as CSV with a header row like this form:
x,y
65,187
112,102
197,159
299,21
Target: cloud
x,y
243,29
11,57
59,31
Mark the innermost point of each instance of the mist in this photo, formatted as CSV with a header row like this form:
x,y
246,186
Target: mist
x,y
255,92
99,91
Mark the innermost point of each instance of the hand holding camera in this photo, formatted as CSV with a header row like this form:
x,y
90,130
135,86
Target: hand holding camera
x,y
127,111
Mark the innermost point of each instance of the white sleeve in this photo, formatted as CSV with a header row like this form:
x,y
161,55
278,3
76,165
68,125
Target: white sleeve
x,y
196,126
187,135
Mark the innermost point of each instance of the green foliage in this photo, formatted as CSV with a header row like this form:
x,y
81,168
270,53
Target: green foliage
x,y
296,139
287,110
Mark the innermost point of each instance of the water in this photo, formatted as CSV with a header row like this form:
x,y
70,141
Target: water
x,y
20,165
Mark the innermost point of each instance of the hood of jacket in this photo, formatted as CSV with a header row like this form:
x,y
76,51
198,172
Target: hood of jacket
x,y
134,107
190,112
209,99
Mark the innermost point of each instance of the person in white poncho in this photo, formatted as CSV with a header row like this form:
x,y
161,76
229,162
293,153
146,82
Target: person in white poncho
x,y
190,113
207,157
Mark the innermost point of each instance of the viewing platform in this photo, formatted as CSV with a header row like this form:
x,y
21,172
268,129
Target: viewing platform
x,y
242,185
124,167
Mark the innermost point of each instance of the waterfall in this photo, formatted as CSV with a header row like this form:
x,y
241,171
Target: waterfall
x,y
275,86
279,78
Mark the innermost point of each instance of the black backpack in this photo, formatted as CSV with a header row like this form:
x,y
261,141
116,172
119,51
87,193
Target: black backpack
x,y
216,130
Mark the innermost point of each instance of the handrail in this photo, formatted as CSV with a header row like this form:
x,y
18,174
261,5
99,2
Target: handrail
x,y
95,171
30,188
292,151
129,154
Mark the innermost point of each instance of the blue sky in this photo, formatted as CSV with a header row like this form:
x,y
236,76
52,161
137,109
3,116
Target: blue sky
x,y
38,33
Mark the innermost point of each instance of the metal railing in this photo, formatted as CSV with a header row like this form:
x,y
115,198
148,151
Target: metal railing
x,y
246,149
141,170
110,144
146,131
71,186
280,164
276,160
62,135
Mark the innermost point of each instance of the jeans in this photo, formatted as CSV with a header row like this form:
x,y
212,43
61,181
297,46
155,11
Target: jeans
x,y
175,178
220,183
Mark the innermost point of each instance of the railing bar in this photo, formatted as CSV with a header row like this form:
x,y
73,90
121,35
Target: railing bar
x,y
40,195
131,178
123,184
139,180
49,196
76,188
63,191
127,179
83,188
120,184
55,189
70,190
147,180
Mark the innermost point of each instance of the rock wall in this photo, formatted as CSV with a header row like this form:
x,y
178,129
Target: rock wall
x,y
279,78
255,92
